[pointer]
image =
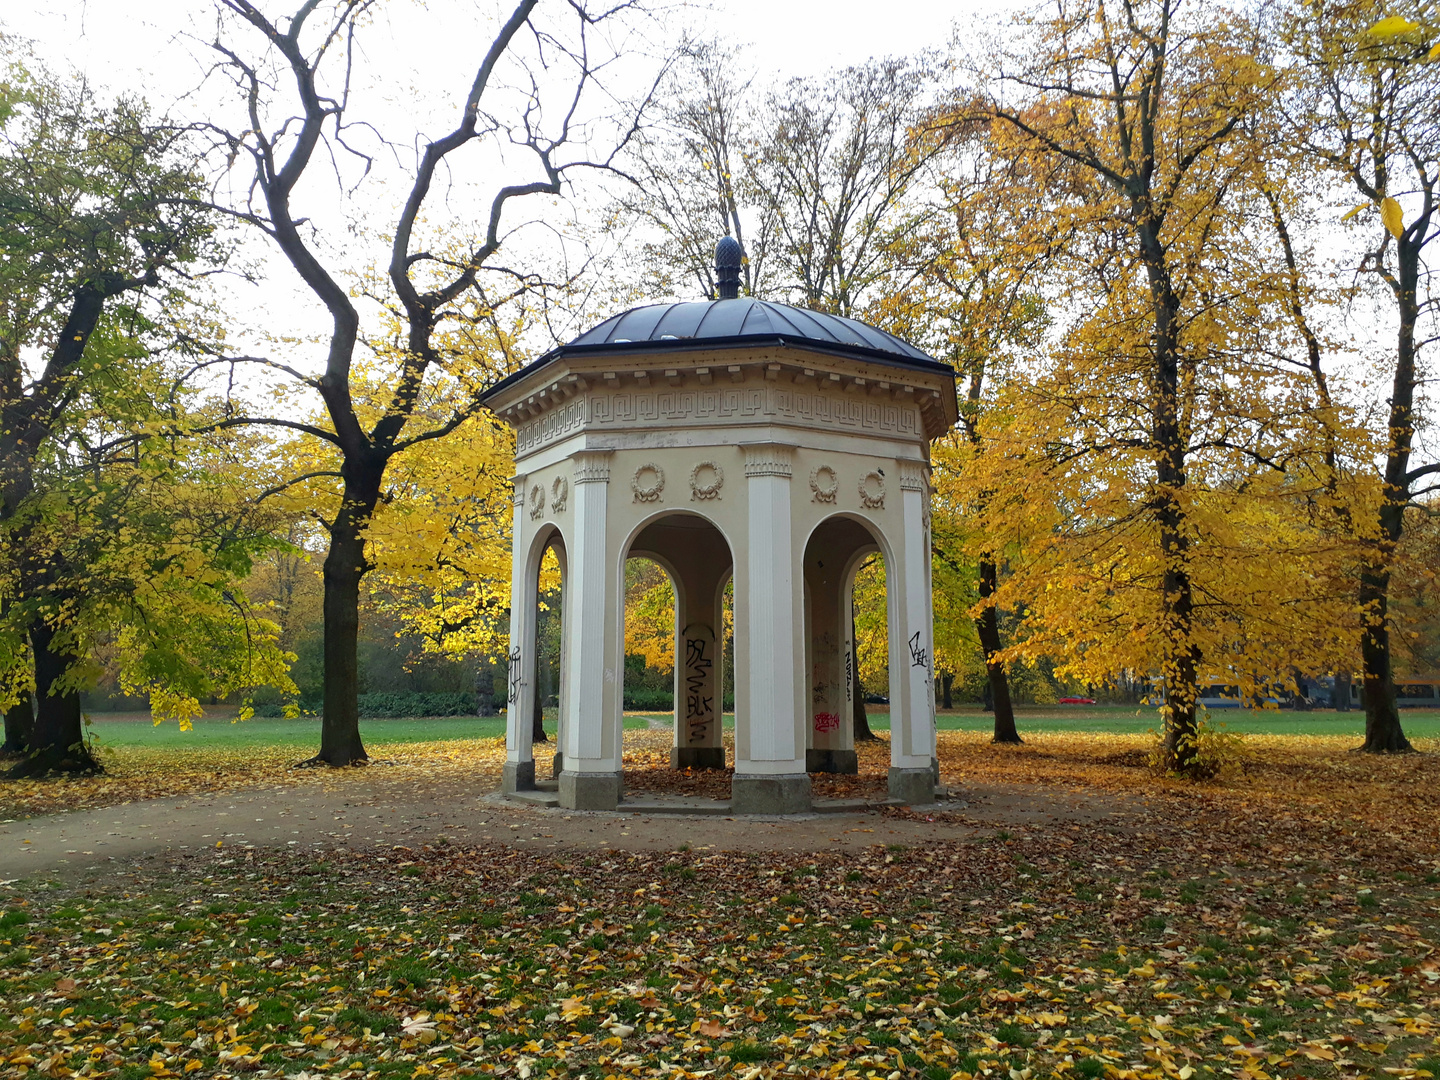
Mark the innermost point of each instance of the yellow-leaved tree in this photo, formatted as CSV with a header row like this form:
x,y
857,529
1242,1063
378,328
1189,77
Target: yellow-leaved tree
x,y
1152,471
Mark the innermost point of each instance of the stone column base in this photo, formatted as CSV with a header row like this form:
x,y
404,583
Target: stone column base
x,y
559,766
913,787
832,761
589,791
697,757
760,793
518,776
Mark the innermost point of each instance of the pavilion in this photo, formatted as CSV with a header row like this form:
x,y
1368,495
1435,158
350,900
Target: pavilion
x,y
727,439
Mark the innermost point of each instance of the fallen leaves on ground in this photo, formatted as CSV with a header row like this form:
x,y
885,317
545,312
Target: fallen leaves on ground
x,y
1280,924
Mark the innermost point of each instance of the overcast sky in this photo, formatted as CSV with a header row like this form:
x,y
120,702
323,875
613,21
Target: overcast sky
x,y
125,43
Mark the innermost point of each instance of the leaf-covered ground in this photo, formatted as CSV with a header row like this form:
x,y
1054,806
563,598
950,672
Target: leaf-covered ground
x,y
1280,924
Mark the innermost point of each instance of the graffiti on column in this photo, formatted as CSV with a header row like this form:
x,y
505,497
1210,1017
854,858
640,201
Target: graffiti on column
x,y
918,657
515,679
849,672
827,721
699,701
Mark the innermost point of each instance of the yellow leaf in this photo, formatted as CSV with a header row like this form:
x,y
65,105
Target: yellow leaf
x,y
1434,51
1391,214
574,1009
1392,25
1351,213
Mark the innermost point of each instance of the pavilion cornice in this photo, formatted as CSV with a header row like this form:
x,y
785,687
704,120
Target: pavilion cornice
x,y
536,391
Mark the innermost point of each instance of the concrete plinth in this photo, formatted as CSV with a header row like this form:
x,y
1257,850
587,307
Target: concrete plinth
x,y
783,793
518,776
914,787
832,761
697,757
589,791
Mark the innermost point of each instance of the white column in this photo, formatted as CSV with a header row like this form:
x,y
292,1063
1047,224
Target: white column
x,y
771,777
912,721
519,772
591,776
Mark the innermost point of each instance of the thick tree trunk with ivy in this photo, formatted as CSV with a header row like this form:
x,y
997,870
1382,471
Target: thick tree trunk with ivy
x,y
1168,443
57,743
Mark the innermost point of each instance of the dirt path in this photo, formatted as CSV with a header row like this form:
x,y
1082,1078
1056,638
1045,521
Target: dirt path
x,y
400,807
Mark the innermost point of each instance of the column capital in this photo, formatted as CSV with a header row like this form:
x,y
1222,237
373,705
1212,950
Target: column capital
x,y
912,476
517,489
592,466
769,459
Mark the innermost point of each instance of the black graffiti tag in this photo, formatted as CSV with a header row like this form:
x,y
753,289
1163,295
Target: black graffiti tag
x,y
918,656
698,704
515,676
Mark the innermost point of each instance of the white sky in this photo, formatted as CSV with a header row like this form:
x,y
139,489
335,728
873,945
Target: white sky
x,y
114,41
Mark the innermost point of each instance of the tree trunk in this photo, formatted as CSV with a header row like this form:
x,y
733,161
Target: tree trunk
x,y
537,719
1168,442
1342,691
57,744
344,567
988,628
859,721
946,682
1383,733
19,726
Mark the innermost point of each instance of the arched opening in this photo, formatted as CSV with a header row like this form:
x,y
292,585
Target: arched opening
x,y
850,618
869,646
548,667
649,637
694,557
536,688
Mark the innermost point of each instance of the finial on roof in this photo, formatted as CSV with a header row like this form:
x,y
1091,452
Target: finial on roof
x,y
728,256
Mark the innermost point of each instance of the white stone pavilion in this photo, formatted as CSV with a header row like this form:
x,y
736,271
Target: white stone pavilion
x,y
727,439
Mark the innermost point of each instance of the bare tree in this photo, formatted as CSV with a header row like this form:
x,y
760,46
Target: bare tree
x,y
435,295
693,182
834,166
812,177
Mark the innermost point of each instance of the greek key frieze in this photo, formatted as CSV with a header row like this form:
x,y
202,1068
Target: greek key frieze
x,y
666,407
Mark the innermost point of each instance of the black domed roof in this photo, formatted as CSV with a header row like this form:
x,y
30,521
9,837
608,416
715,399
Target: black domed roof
x,y
728,322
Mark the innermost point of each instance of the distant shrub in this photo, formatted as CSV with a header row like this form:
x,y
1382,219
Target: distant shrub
x,y
642,699
389,706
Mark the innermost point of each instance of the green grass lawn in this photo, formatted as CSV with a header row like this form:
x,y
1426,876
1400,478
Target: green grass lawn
x,y
135,730
1121,720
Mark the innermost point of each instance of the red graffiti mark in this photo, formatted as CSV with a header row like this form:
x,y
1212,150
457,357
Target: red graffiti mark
x,y
827,721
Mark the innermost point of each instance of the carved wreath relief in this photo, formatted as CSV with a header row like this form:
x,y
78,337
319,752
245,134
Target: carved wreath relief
x,y
872,490
559,494
648,482
824,483
537,502
706,480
